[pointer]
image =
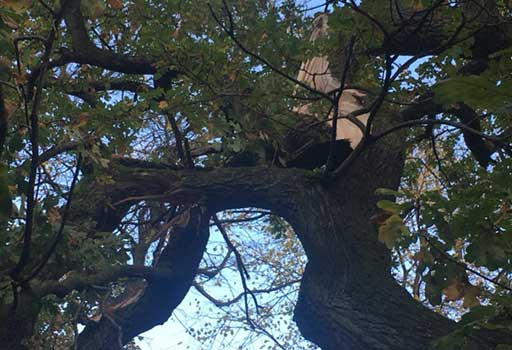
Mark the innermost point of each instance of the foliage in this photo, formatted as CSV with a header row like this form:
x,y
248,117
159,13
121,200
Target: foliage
x,y
202,100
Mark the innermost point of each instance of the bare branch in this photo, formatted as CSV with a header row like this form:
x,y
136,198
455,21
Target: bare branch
x,y
58,236
241,268
230,32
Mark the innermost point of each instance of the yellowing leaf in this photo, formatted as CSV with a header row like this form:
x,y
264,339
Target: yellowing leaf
x,y
115,4
98,8
94,8
163,104
390,231
418,6
104,162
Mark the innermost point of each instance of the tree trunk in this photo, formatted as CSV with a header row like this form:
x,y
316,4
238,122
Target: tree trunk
x,y
348,298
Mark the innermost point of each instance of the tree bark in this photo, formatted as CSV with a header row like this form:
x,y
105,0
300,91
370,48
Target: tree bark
x,y
348,298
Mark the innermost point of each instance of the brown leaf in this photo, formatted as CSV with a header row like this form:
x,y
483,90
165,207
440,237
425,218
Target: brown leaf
x,y
53,215
163,105
115,4
454,291
379,218
471,296
82,120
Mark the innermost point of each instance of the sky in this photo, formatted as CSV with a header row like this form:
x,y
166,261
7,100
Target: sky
x,y
195,311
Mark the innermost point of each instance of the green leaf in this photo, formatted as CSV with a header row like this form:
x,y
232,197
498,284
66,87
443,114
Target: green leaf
x,y
387,192
478,92
389,206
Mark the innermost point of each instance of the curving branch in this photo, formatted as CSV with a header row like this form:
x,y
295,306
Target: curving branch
x,y
482,146
164,290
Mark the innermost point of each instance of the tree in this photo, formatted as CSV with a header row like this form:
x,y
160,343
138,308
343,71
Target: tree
x,y
127,126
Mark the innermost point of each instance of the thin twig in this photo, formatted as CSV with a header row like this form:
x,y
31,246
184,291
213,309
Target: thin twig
x,y
241,269
463,265
422,122
178,138
438,159
268,334
230,32
58,236
34,140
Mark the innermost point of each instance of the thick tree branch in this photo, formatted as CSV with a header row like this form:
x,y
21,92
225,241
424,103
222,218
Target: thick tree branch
x,y
480,149
86,281
222,188
86,52
88,93
482,146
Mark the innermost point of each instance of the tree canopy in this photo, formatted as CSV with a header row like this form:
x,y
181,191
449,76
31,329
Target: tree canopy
x,y
149,148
